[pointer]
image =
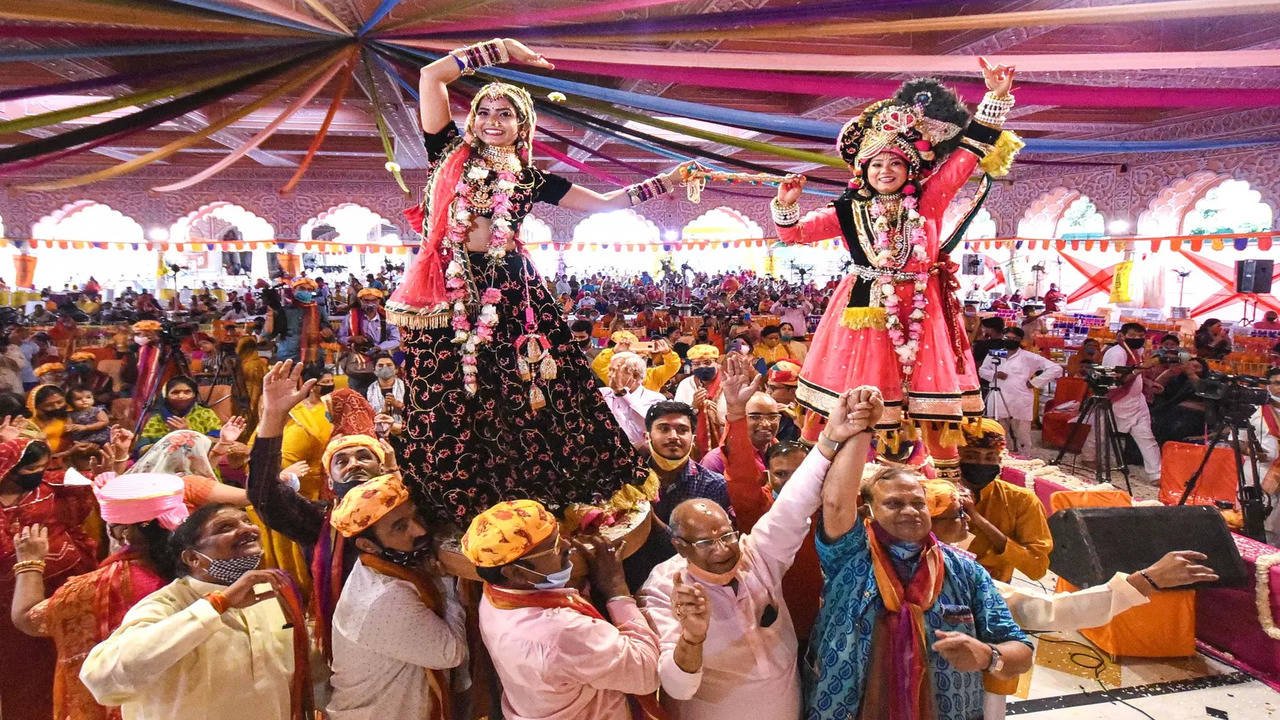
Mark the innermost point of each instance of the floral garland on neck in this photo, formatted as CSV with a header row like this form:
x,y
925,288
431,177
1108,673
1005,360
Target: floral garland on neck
x,y
460,286
911,239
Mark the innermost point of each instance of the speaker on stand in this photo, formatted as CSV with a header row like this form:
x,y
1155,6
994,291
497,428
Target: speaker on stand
x,y
1253,277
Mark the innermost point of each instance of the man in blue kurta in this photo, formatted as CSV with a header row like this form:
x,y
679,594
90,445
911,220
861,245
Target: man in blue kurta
x,y
908,625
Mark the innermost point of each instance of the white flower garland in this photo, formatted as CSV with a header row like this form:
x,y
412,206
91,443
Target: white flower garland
x,y
1262,593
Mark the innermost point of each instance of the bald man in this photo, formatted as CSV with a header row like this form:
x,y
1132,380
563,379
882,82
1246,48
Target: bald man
x,y
728,646
762,415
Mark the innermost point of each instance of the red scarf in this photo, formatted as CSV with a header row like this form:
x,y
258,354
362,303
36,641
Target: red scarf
x,y
1270,419
126,579
437,680
899,679
423,284
148,380
708,435
355,321
326,576
310,331
644,707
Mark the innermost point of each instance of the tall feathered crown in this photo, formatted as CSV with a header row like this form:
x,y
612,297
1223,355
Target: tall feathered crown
x,y
921,122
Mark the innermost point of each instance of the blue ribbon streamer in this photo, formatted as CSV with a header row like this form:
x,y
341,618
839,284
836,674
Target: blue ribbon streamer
x,y
97,51
385,7
248,14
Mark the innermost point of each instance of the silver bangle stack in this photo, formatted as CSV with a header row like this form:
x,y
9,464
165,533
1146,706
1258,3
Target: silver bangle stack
x,y
646,190
993,111
480,55
784,215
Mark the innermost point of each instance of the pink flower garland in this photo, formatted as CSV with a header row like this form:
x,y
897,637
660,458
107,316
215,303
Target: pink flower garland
x,y
459,286
906,342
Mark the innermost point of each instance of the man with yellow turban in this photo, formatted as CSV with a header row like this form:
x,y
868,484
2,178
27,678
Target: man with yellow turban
x,y
555,654
365,328
398,629
626,341
701,391
1009,521
353,456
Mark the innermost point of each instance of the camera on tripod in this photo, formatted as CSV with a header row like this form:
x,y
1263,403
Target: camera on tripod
x,y
1236,396
172,331
1172,357
1102,379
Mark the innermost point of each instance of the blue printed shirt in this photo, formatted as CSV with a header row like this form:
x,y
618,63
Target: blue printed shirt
x,y
841,640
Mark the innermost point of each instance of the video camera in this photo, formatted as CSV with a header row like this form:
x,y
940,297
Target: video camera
x,y
1102,379
1172,357
1236,396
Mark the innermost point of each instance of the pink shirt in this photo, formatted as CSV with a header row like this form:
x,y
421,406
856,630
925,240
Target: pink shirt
x,y
558,664
748,670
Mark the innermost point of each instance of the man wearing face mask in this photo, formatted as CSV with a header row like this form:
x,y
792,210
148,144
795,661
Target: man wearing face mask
x,y
580,331
1128,402
556,655
1009,521
1266,425
399,631
367,321
729,649
1014,380
303,316
702,391
353,456
141,369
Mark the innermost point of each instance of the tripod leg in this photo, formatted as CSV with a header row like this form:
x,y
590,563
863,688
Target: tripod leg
x,y
1204,461
1117,447
1071,431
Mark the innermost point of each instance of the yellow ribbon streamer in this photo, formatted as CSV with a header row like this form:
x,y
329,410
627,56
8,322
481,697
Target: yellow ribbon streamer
x,y
324,12
138,98
183,143
134,14
305,97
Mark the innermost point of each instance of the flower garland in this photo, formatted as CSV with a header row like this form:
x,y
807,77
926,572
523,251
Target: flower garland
x,y
1262,596
460,286
888,255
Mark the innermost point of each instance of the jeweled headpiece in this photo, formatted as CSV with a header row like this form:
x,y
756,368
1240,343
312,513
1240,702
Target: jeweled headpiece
x,y
526,115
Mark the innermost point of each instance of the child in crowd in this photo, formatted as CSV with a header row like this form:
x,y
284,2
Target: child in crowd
x,y
88,422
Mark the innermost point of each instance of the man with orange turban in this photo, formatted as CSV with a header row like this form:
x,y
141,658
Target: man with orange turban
x,y
398,629
366,326
555,654
701,391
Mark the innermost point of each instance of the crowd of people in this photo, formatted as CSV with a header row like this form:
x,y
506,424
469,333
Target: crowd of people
x,y
486,494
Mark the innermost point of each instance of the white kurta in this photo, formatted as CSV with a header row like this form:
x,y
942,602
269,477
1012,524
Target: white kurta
x,y
749,670
689,386
1010,397
630,410
384,639
174,656
1131,406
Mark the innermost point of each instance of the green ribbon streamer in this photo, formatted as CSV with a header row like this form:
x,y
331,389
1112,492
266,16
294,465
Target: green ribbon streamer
x,y
383,132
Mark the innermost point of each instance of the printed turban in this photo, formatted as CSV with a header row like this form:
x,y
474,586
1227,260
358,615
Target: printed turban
x,y
147,326
984,443
304,284
784,372
624,337
53,367
369,294
939,495
141,497
367,503
351,412
83,356
343,442
506,532
704,352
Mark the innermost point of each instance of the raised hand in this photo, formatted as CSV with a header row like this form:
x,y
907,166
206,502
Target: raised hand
x,y
232,429
31,543
520,53
9,430
790,188
247,590
297,470
604,563
1180,567
177,423
692,610
999,78
282,388
121,442
741,381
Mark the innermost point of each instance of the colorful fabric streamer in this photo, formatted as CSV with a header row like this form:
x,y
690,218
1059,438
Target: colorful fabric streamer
x,y
136,50
298,103
406,28
384,134
384,8
344,84
77,12
253,15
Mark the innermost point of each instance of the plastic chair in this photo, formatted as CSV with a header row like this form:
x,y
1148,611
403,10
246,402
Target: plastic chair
x,y
1055,422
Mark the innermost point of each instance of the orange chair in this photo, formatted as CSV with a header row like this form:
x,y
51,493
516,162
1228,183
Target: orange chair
x,y
1178,462
1055,422
1164,627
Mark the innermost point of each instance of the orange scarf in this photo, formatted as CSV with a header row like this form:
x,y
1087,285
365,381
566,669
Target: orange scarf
x,y
644,707
437,680
899,681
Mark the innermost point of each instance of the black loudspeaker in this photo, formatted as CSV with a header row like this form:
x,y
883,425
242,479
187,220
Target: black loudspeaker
x,y
971,264
1254,276
1093,543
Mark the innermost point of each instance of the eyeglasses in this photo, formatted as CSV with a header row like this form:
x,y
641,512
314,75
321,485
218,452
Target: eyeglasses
x,y
555,549
958,516
764,417
726,540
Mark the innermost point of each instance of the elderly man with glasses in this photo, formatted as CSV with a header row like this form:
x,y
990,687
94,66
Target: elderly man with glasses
x,y
728,646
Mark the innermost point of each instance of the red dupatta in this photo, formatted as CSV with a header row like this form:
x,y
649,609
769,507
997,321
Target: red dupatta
x,y
423,284
707,435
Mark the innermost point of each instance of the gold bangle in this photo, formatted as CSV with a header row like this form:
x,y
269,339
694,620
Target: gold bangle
x,y
28,566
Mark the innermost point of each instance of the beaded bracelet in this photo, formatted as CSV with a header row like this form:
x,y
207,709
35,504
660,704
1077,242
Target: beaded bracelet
x,y
993,111
480,55
646,190
784,215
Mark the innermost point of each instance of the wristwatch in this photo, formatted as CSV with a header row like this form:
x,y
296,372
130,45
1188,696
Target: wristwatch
x,y
997,660
828,443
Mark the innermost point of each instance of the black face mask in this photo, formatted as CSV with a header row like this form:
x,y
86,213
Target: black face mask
x,y
340,489
59,413
324,389
705,374
1010,344
27,481
79,368
407,558
1135,343
979,476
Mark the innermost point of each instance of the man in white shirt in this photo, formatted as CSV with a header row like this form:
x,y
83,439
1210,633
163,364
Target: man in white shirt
x,y
1128,402
627,396
398,629
728,646
1014,380
1266,425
